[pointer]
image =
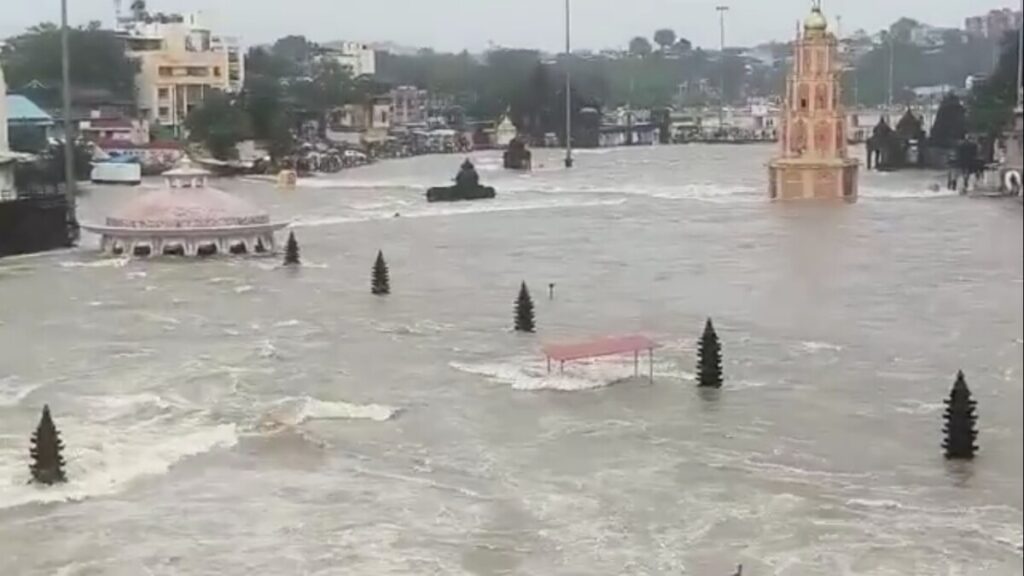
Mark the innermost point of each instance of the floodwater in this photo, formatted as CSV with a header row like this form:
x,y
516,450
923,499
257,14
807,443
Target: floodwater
x,y
230,417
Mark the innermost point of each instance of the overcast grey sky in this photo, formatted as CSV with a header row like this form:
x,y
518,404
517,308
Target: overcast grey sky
x,y
474,24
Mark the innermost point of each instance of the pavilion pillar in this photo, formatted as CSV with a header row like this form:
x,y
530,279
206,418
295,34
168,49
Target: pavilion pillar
x,y
650,358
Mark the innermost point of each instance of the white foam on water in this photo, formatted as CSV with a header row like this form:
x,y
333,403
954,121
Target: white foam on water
x,y
109,407
812,347
458,209
106,263
344,183
244,289
743,384
418,328
13,391
268,350
294,411
874,504
522,376
160,319
706,192
918,408
102,461
391,203
889,194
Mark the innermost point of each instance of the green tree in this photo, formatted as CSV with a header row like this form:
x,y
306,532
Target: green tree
x,y
291,251
950,125
328,87
266,63
665,38
960,422
219,123
709,358
524,321
640,47
47,465
914,66
98,63
295,49
270,115
380,284
903,29
531,105
990,104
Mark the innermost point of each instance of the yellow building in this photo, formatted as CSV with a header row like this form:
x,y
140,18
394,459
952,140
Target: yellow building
x,y
180,62
814,161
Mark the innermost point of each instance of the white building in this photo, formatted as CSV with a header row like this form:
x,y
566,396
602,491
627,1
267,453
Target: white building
x,y
7,191
358,58
409,105
505,132
861,122
180,62
120,130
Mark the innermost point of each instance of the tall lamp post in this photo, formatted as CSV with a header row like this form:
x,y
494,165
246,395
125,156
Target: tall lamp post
x,y
721,84
568,85
69,148
1020,64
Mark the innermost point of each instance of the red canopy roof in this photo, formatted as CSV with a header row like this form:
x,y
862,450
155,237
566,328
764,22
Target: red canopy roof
x,y
602,347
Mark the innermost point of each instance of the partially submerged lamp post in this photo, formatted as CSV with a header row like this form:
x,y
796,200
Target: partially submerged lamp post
x,y
69,147
721,81
568,85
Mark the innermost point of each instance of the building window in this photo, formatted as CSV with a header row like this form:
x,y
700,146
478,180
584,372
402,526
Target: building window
x,y
216,71
164,112
198,71
166,71
163,93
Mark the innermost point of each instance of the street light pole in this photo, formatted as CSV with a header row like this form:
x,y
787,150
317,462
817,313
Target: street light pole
x,y
1020,64
69,148
721,85
568,85
892,69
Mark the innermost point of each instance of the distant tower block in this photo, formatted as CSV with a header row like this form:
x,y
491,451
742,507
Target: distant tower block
x,y
814,163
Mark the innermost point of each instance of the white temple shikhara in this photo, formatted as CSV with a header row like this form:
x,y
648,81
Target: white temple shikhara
x,y
814,163
186,218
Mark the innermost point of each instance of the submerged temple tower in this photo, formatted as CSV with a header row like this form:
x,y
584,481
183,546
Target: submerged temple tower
x,y
814,163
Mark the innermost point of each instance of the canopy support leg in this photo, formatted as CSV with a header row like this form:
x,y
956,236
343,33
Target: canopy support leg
x,y
650,356
549,364
636,363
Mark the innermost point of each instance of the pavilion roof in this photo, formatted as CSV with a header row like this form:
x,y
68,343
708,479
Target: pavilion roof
x,y
601,347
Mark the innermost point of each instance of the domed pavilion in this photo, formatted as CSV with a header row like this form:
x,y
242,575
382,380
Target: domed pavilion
x,y
186,218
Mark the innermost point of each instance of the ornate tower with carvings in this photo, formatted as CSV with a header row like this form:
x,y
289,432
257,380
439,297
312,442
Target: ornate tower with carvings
x,y
814,163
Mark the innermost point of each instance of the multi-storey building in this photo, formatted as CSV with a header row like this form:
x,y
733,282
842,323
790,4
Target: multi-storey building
x,y
357,58
409,105
995,24
180,62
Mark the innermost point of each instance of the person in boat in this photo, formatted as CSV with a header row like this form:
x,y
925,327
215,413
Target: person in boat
x,y
467,187
467,176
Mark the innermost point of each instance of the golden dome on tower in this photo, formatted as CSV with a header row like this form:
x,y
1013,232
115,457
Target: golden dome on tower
x,y
816,22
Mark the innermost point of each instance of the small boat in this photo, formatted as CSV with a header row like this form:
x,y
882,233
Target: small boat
x,y
117,171
467,187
